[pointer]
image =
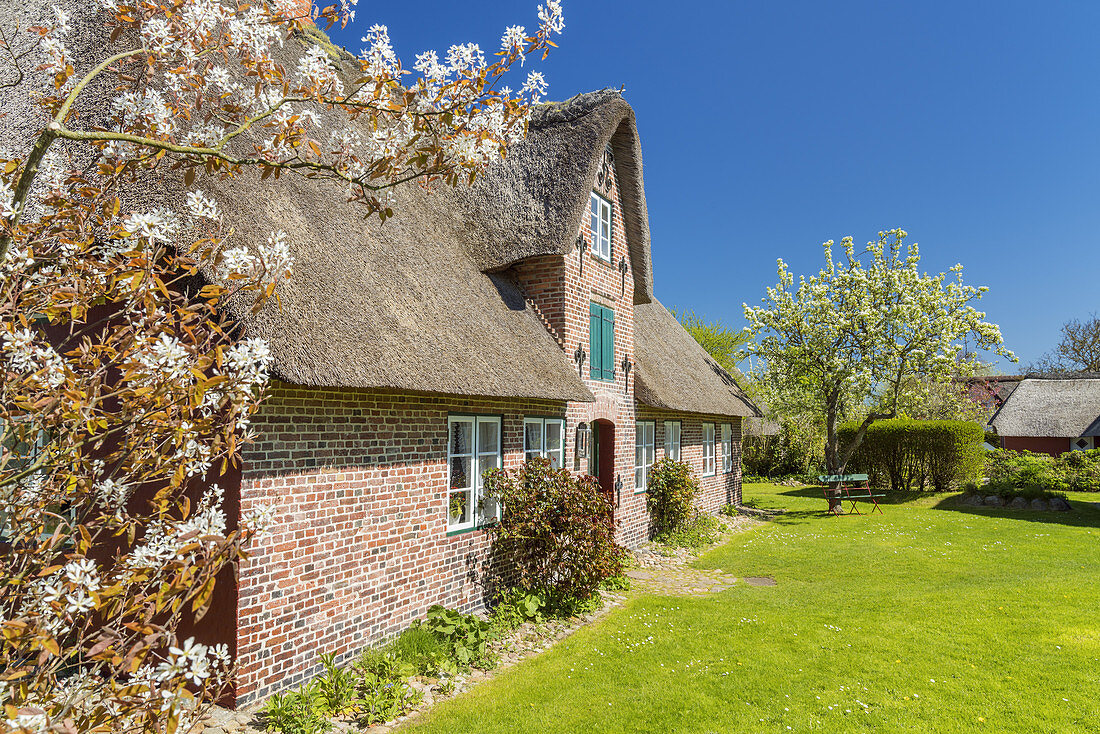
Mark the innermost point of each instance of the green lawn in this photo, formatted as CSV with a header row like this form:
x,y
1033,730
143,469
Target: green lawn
x,y
925,619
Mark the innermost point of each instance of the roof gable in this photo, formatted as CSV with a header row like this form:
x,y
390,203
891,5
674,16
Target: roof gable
x,y
531,203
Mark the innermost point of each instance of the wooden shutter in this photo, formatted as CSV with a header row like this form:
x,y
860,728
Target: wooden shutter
x,y
608,351
595,341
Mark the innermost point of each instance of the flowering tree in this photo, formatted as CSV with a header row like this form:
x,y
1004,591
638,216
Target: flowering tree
x,y
127,390
850,337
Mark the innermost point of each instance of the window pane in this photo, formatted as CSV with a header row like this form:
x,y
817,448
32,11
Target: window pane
x,y
488,431
553,436
557,458
649,454
485,463
460,472
462,436
458,508
532,436
639,454
490,509
639,478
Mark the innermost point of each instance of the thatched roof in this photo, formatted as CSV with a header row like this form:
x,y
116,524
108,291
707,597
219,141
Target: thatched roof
x,y
1051,407
675,373
760,427
532,203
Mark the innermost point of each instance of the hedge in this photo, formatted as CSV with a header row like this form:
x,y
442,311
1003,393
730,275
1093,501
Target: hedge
x,y
904,454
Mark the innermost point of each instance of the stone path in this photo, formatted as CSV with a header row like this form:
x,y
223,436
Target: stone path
x,y
681,581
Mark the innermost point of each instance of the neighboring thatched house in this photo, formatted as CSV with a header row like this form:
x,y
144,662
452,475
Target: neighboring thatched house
x,y
989,391
1050,416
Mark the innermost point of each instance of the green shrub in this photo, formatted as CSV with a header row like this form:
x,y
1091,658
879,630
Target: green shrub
x,y
905,454
616,583
465,637
670,495
557,532
1074,470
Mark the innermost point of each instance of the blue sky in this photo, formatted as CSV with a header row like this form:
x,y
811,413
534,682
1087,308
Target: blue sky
x,y
768,127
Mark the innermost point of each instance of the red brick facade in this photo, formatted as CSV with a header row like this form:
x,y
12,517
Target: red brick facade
x,y
359,482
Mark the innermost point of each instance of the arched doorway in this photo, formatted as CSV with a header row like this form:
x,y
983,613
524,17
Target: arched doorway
x,y
602,462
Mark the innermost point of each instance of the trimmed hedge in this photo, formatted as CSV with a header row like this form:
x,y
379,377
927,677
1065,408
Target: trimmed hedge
x,y
904,454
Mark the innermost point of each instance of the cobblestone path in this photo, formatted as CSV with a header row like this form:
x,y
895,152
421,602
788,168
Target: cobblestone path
x,y
681,581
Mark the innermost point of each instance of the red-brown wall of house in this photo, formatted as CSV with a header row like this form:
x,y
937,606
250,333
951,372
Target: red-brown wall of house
x,y
1040,445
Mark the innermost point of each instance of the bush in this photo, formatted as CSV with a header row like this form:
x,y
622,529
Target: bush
x,y
557,532
670,495
1074,470
904,454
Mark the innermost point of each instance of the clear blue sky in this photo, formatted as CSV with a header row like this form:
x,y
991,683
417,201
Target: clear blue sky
x,y
768,127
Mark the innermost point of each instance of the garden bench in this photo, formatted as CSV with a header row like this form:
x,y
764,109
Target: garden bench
x,y
853,487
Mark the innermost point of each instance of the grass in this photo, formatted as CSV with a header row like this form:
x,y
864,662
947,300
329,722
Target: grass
x,y
932,618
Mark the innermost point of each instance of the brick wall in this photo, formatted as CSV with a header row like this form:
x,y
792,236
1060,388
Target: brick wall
x,y
360,546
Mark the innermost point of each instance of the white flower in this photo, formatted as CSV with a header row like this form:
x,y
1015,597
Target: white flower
x,y
202,207
165,357
551,17
513,41
159,225
535,86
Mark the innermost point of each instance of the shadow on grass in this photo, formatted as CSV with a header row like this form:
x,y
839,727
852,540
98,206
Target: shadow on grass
x,y
1083,515
892,497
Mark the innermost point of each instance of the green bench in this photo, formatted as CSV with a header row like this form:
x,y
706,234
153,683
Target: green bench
x,y
851,487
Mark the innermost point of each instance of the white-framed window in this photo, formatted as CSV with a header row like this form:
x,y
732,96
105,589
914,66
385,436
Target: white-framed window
x,y
600,223
644,450
473,447
672,440
727,448
545,437
708,449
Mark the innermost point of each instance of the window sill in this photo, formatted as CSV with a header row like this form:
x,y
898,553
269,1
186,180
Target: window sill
x,y
474,529
639,491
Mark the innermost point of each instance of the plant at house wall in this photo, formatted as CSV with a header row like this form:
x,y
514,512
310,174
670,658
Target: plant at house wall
x,y
557,531
122,379
465,636
670,495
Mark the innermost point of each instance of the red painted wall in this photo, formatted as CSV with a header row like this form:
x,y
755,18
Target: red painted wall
x,y
1040,445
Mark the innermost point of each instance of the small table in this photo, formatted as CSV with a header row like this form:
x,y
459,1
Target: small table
x,y
851,487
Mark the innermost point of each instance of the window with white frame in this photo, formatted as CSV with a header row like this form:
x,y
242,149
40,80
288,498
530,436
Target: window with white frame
x,y
708,449
644,450
727,448
545,437
672,440
600,223
473,447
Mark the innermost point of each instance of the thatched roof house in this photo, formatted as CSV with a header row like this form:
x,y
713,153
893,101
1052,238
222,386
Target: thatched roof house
x,y
1050,415
478,328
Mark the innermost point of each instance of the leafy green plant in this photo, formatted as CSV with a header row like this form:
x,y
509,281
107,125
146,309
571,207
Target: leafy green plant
x,y
334,692
422,650
515,607
732,511
294,713
616,583
465,636
670,495
557,531
383,698
698,532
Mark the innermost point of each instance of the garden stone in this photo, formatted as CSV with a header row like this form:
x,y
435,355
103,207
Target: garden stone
x,y
994,500
1059,505
1018,503
1040,505
974,500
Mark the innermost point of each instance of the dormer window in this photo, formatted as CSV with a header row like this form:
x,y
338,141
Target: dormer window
x,y
600,223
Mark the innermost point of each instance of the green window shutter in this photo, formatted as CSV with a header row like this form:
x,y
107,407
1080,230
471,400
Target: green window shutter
x,y
608,352
595,324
